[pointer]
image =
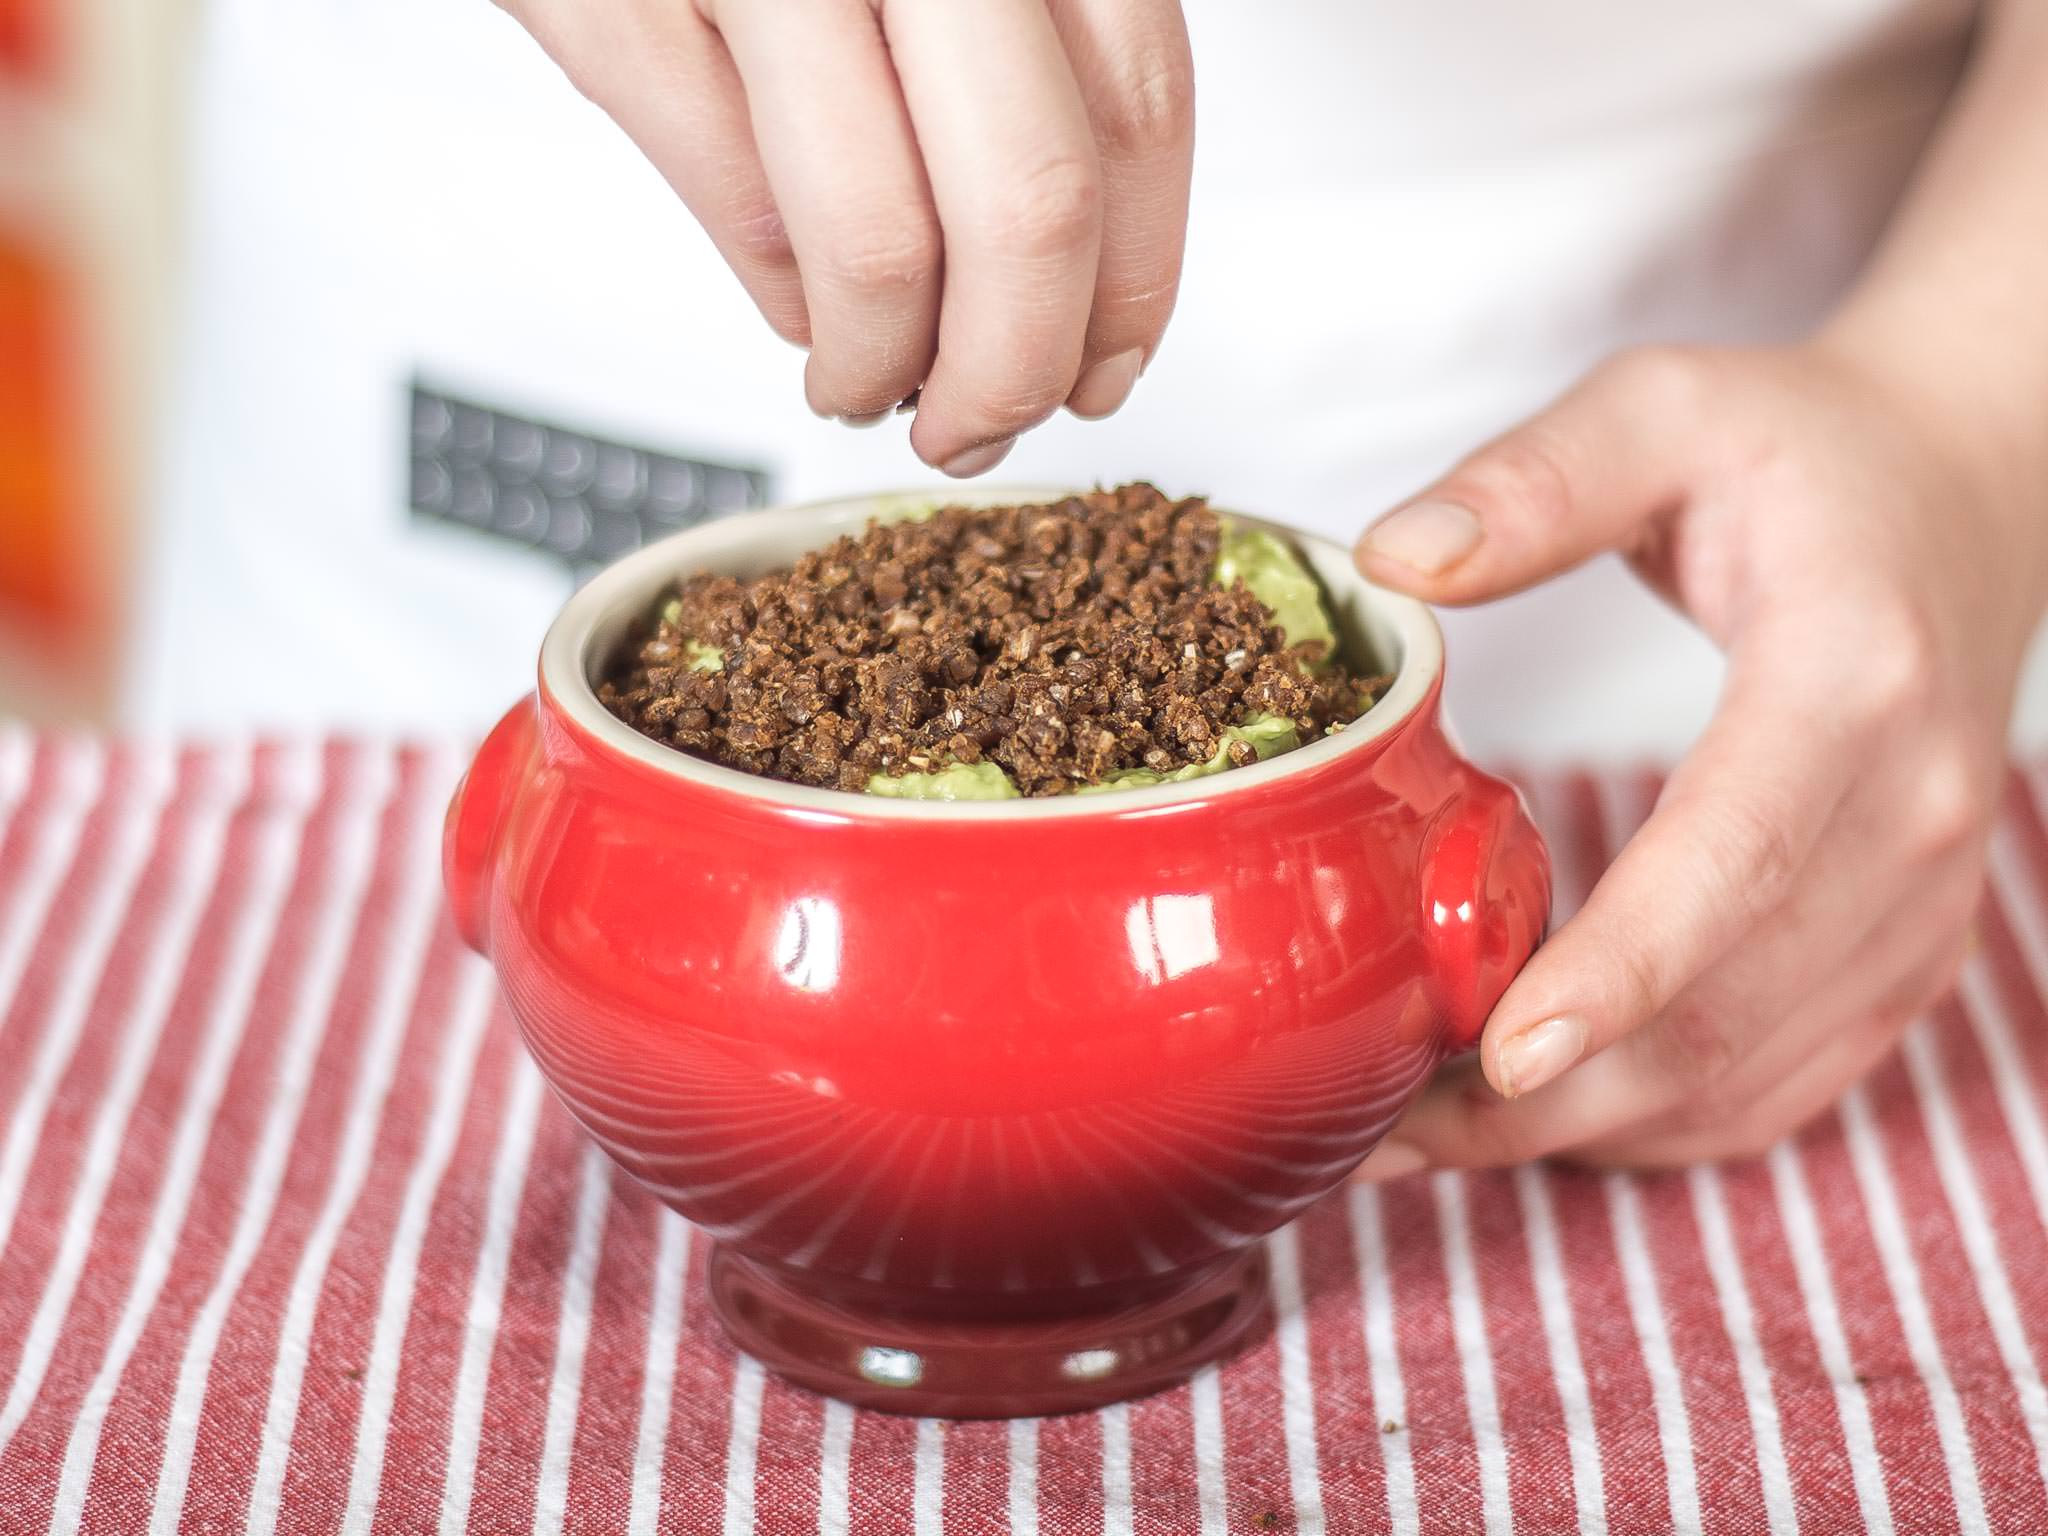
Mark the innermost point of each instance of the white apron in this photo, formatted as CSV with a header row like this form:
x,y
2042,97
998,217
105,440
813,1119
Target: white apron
x,y
1414,221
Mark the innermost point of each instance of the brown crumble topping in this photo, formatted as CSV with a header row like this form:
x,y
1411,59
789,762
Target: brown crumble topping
x,y
1063,642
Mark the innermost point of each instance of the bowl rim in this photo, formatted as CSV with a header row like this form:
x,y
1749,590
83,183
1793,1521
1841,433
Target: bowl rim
x,y
631,580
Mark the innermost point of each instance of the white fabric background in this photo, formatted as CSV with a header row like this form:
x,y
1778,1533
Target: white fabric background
x,y
1414,220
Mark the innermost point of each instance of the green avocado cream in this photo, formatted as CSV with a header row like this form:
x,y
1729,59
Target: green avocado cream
x,y
1269,736
703,656
1277,578
962,781
904,509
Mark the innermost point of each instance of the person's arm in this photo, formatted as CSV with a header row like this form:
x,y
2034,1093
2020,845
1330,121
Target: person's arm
x,y
1861,521
1953,307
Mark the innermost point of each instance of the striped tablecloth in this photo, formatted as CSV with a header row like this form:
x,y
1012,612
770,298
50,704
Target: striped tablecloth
x,y
292,1239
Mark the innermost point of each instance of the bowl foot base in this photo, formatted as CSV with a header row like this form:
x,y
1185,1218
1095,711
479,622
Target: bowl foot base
x,y
988,1368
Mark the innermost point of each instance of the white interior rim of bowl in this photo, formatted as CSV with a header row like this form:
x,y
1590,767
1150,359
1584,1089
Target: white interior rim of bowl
x,y
633,582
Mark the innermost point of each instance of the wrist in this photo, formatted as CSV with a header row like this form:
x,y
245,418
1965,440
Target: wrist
x,y
1978,413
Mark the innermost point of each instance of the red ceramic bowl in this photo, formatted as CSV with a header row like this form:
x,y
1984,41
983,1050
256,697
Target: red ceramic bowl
x,y
987,1106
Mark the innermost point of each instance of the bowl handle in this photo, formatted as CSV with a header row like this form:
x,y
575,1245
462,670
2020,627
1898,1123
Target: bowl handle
x,y
1485,900
469,836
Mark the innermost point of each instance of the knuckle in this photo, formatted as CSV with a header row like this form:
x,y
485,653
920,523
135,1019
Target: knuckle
x,y
1696,1045
1950,807
1758,848
1132,314
1750,849
1008,408
757,235
1531,469
879,256
1150,109
789,320
860,395
1897,665
1667,378
1642,982
1050,212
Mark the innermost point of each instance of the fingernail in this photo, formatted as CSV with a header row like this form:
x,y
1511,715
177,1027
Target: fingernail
x,y
1539,1053
1429,536
872,419
1391,1160
910,401
1106,386
976,461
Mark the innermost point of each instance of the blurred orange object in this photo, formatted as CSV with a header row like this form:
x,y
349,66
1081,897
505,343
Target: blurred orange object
x,y
28,31
45,585
89,171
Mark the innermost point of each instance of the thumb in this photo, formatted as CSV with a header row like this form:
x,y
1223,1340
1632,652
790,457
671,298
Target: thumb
x,y
1588,475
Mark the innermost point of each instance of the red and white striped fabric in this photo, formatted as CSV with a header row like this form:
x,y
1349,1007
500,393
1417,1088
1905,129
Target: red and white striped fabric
x,y
292,1240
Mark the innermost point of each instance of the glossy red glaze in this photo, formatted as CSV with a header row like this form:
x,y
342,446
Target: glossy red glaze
x,y
988,1115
